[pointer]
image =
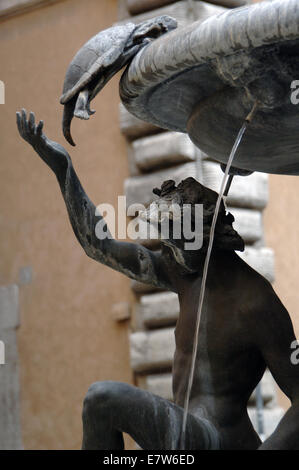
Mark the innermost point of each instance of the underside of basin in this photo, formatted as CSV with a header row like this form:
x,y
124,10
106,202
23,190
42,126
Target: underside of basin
x,y
205,79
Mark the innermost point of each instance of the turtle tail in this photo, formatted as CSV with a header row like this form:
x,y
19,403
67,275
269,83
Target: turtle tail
x,y
68,114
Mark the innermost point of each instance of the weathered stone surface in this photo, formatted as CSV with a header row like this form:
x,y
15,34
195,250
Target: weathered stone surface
x,y
10,427
9,307
161,150
10,430
271,418
229,3
132,127
139,6
260,259
152,350
196,11
121,311
140,188
159,384
159,309
141,288
267,389
249,191
248,224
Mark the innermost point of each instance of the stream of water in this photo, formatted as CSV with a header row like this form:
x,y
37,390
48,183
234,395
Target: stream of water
x,y
205,271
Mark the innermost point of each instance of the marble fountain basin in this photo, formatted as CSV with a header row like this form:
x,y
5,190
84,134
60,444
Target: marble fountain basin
x,y
205,78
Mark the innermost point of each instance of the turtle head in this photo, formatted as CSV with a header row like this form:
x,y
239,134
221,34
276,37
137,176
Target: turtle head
x,y
153,28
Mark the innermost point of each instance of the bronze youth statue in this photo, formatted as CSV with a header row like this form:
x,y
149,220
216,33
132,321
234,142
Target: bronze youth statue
x,y
244,328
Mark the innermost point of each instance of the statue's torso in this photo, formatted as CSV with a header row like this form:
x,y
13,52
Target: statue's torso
x,y
228,364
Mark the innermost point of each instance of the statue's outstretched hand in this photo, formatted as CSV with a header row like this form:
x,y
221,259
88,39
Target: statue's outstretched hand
x,y
52,153
30,132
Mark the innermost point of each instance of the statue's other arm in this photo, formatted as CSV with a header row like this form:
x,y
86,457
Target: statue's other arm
x,y
131,259
275,335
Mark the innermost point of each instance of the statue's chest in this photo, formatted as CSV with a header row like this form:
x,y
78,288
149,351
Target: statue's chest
x,y
219,322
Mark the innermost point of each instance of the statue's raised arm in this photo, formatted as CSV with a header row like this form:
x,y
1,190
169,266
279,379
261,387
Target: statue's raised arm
x,y
131,259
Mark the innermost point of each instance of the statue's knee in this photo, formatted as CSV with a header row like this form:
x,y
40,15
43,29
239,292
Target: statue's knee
x,y
101,396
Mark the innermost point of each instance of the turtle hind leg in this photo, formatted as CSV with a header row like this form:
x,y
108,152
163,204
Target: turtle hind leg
x,y
82,109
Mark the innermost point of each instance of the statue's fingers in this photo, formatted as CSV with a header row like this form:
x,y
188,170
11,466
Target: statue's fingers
x,y
19,123
24,121
31,122
39,127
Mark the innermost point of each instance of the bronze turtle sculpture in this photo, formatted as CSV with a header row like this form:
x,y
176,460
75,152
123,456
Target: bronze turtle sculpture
x,y
100,59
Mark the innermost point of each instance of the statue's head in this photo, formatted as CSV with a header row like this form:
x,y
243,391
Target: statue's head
x,y
183,215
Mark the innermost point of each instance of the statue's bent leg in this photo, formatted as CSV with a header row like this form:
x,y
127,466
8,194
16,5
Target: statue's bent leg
x,y
111,408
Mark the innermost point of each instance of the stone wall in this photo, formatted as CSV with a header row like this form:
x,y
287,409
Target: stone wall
x,y
10,429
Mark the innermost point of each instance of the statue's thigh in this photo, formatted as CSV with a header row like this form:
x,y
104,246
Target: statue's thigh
x,y
154,422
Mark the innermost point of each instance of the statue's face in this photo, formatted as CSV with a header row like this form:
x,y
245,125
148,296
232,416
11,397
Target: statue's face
x,y
183,214
179,213
165,214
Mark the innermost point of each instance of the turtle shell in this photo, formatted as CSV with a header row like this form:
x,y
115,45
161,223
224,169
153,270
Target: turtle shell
x,y
100,51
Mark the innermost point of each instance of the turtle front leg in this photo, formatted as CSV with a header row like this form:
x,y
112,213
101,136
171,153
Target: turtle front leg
x,y
82,109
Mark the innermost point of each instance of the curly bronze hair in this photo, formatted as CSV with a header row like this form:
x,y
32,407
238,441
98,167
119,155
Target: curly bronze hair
x,y
190,191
